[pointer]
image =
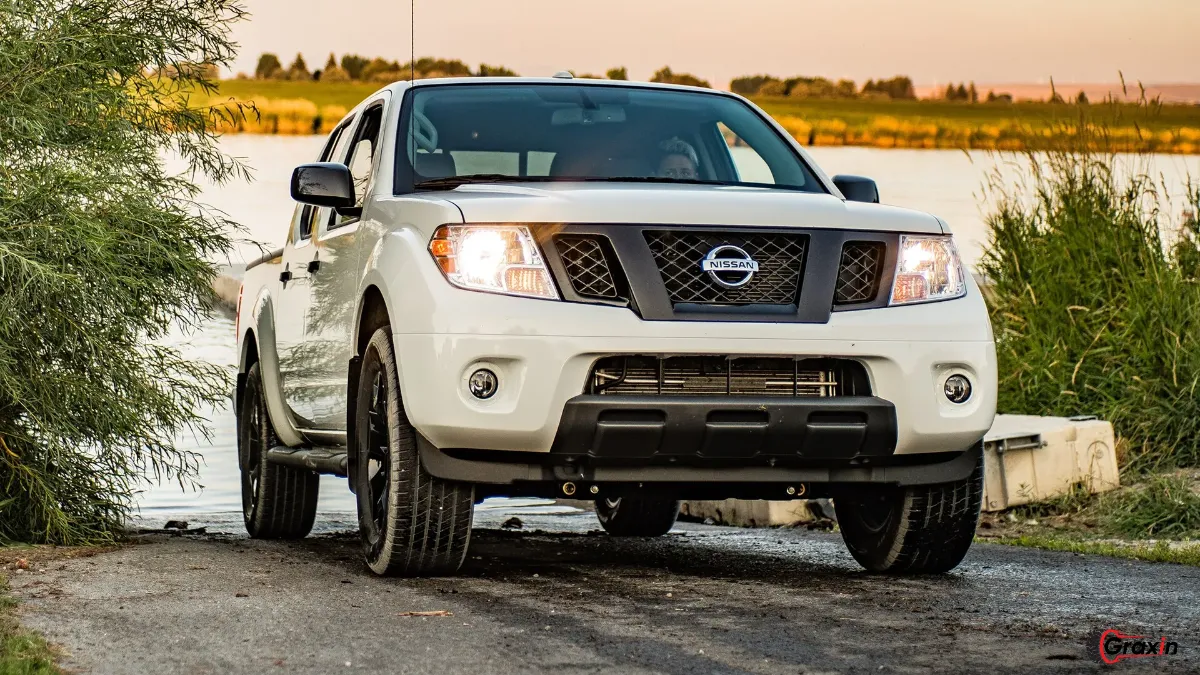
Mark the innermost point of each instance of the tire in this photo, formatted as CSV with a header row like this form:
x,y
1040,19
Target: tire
x,y
637,516
278,502
411,523
919,529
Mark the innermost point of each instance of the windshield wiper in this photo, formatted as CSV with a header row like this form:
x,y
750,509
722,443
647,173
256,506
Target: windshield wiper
x,y
451,182
653,179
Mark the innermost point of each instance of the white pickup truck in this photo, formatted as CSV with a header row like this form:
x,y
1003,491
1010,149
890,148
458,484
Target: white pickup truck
x,y
628,293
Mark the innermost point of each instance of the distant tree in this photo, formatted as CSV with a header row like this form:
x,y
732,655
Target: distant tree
x,y
298,70
951,92
377,67
1056,97
495,71
667,76
961,94
430,67
898,87
268,67
973,94
750,85
846,89
810,87
332,72
619,73
772,87
1002,97
1081,98
354,64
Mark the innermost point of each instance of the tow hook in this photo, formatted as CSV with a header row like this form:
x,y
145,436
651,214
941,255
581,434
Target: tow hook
x,y
568,488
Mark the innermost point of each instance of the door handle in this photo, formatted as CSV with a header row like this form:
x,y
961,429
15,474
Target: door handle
x,y
313,266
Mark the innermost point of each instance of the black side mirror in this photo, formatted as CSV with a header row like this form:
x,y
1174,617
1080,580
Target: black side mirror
x,y
323,184
857,188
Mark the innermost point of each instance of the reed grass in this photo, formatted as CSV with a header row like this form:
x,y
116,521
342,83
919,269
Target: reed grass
x,y
1095,300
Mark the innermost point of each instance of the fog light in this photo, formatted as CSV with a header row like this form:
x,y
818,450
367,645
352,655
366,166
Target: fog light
x,y
483,384
958,389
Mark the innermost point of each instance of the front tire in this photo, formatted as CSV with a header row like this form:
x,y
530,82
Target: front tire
x,y
918,529
637,516
278,502
410,523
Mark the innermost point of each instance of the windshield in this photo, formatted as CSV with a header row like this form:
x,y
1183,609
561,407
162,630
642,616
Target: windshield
x,y
457,134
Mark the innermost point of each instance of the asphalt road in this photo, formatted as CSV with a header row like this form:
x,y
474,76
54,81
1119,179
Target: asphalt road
x,y
559,597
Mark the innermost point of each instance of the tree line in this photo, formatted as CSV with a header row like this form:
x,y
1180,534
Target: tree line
x,y
355,68
899,87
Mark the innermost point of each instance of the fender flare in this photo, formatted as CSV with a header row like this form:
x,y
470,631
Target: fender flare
x,y
263,330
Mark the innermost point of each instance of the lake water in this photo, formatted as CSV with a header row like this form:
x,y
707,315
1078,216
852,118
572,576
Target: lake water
x,y
945,182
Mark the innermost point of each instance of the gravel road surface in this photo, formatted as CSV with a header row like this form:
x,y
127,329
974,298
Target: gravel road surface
x,y
557,596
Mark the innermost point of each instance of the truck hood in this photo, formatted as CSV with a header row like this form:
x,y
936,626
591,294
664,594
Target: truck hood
x,y
679,205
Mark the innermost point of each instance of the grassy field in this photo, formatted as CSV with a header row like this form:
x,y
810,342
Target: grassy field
x,y
304,107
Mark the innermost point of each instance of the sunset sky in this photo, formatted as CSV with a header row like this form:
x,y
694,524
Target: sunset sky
x,y
934,41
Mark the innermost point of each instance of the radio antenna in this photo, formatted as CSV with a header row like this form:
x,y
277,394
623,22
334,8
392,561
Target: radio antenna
x,y
412,42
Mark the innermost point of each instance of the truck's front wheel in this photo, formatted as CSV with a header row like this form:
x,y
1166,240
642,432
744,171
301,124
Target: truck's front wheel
x,y
918,529
411,523
278,502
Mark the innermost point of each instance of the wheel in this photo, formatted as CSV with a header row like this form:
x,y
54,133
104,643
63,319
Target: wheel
x,y
411,523
919,529
637,516
278,502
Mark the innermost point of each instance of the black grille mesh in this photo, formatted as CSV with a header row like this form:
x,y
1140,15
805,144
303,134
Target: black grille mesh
x,y
780,258
587,266
859,272
647,375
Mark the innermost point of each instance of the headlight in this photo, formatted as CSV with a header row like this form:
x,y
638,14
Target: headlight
x,y
927,269
493,258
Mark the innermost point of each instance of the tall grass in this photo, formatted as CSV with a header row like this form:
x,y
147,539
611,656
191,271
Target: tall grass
x,y
1096,302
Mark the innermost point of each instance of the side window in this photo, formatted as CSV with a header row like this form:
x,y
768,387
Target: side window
x,y
362,158
334,147
750,166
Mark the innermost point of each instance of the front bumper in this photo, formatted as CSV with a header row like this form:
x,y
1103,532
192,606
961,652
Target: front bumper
x,y
540,374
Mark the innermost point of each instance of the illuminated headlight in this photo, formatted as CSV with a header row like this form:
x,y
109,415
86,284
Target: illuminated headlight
x,y
927,269
493,258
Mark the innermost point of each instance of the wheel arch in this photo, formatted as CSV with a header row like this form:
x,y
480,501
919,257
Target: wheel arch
x,y
248,356
372,315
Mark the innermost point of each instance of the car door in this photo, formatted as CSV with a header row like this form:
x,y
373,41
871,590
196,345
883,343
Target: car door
x,y
299,361
335,275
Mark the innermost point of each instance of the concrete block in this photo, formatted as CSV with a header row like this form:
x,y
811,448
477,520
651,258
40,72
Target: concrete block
x,y
750,513
1030,459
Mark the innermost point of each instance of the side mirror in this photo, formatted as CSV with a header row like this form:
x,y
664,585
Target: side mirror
x,y
323,184
857,188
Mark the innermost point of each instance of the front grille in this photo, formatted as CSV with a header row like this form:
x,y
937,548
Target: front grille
x,y
639,375
859,272
780,259
587,266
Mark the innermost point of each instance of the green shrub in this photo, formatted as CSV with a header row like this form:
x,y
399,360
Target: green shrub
x,y
1164,506
101,252
1095,310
